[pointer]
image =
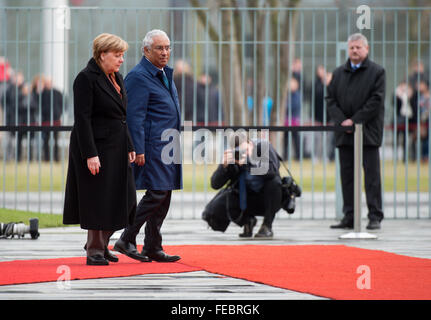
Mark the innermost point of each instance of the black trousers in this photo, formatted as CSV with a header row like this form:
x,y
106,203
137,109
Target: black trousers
x,y
265,203
46,135
373,188
152,209
296,145
22,135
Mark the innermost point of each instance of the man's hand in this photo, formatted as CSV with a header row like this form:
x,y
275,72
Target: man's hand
x,y
140,159
348,123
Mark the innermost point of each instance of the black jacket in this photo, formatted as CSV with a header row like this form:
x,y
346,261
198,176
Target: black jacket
x,y
51,99
105,201
231,173
358,95
27,106
224,207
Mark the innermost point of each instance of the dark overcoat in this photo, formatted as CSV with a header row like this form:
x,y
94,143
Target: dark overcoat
x,y
358,95
107,200
152,109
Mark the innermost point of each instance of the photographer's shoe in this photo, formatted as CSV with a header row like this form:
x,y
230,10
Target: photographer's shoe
x,y
373,225
264,232
248,228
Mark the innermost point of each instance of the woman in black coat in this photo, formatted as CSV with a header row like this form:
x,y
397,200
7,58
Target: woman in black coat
x,y
100,188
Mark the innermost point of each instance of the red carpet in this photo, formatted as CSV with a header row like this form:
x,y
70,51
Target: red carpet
x,y
31,271
323,270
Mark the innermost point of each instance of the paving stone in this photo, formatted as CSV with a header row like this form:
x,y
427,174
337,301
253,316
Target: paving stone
x,y
408,237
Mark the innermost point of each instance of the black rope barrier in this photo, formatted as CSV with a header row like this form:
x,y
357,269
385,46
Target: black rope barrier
x,y
35,128
195,128
277,128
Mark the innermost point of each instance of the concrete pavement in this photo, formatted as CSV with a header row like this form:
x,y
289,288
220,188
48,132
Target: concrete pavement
x,y
407,237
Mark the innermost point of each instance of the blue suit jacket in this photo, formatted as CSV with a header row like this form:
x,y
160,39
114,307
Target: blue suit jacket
x,y
152,108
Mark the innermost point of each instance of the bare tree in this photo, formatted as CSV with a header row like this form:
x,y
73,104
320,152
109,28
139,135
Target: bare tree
x,y
273,30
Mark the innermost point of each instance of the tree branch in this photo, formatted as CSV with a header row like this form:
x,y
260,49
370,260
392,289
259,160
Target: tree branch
x,y
212,31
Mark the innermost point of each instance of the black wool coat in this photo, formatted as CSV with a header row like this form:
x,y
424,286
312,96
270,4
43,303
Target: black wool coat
x,y
358,95
107,200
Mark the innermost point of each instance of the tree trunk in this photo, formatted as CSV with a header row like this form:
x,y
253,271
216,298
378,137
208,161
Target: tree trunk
x,y
232,64
233,96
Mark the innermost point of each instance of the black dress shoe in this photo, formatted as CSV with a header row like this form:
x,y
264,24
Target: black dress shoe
x,y
109,256
373,225
248,228
264,232
161,256
130,250
97,260
343,225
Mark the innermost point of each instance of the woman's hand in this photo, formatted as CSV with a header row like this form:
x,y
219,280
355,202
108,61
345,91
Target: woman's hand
x,y
93,165
132,156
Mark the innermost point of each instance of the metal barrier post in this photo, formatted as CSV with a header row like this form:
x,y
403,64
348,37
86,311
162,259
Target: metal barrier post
x,y
358,149
338,190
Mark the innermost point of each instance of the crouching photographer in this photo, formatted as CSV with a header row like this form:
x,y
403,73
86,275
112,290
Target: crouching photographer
x,y
250,172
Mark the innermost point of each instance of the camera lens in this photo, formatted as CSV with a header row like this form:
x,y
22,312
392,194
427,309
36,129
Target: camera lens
x,y
291,206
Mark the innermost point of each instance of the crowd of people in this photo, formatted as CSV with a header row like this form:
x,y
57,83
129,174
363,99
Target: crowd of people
x,y
411,100
300,92
39,103
413,104
24,103
199,96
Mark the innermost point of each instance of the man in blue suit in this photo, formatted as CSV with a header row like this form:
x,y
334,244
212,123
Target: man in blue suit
x,y
153,108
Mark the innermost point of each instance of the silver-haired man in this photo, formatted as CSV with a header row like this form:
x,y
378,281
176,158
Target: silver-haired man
x,y
356,94
153,107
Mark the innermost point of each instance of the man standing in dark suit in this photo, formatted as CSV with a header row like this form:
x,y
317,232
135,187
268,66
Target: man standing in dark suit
x,y
153,108
356,94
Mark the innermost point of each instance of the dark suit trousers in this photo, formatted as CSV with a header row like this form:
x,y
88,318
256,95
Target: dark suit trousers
x,y
266,203
152,209
373,189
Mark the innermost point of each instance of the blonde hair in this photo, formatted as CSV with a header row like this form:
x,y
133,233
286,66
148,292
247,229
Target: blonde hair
x,y
108,42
